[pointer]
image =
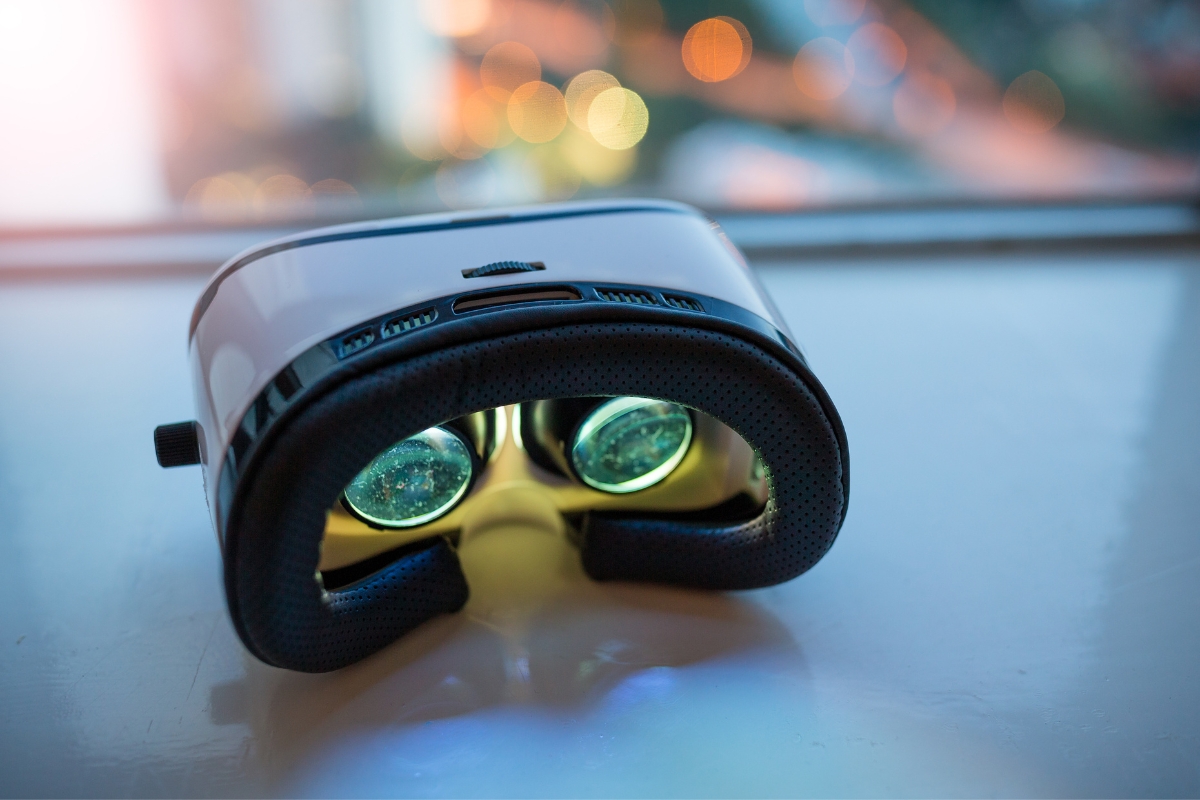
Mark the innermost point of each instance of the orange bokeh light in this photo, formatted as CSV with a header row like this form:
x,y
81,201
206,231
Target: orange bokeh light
x,y
924,104
537,112
716,49
485,121
507,66
879,54
1033,103
823,68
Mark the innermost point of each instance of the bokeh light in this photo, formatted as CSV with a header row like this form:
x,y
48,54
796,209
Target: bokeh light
x,y
823,68
537,112
222,197
582,90
716,49
834,12
455,18
879,54
485,121
618,118
581,33
419,139
597,164
1033,103
924,104
334,189
507,66
282,196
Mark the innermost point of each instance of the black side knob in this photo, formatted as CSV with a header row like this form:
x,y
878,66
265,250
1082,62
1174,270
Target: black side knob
x,y
177,444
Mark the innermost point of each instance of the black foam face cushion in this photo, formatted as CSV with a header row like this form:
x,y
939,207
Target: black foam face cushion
x,y
276,521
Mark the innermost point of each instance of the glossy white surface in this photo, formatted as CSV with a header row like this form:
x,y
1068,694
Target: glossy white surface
x,y
1011,608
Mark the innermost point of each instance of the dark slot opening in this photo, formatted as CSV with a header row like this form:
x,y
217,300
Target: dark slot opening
x,y
474,302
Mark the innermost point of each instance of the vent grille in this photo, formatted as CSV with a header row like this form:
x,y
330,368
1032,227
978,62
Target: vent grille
x,y
682,303
359,340
398,325
623,296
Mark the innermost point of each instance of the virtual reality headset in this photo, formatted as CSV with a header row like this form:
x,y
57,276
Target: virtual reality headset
x,y
365,393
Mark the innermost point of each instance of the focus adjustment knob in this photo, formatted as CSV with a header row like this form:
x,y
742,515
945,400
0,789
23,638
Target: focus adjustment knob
x,y
177,444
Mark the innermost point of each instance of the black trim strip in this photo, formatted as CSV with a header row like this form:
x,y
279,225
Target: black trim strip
x,y
210,291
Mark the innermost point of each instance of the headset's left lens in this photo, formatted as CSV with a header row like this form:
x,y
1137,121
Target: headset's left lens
x,y
412,482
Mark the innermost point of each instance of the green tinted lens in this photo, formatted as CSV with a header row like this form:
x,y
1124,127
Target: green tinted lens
x,y
630,443
413,482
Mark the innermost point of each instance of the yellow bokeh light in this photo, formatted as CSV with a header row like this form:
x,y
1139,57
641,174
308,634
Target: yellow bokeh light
x,y
1033,103
823,68
507,66
879,54
455,17
618,118
582,90
598,165
716,49
537,112
924,104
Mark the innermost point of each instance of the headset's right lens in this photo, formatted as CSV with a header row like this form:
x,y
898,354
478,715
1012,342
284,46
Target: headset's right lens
x,y
631,443
412,482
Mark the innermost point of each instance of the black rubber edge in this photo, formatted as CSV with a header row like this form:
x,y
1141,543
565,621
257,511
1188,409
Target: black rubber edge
x,y
318,373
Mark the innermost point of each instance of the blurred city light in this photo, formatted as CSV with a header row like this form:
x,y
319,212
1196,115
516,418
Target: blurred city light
x,y
537,111
233,110
582,90
1033,103
823,68
618,118
879,54
716,49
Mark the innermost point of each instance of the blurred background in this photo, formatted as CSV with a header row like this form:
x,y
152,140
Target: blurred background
x,y
144,112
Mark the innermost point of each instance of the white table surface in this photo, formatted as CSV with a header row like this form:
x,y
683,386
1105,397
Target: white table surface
x,y
1011,608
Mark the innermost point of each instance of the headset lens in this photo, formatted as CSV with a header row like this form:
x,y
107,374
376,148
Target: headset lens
x,y
412,482
630,443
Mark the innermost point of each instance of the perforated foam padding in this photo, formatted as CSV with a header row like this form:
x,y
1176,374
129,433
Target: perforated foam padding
x,y
277,520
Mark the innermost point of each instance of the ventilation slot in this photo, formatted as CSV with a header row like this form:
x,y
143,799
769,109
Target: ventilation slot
x,y
394,327
354,342
475,302
622,296
682,303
